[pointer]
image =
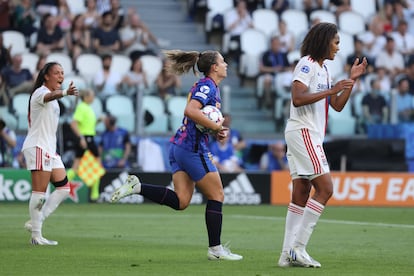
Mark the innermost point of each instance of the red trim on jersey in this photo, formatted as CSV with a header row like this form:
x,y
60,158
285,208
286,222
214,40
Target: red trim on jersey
x,y
311,151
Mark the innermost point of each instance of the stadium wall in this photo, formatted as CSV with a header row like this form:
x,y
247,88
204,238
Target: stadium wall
x,y
350,188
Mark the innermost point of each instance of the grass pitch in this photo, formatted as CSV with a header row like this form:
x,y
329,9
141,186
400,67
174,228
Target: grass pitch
x,y
104,239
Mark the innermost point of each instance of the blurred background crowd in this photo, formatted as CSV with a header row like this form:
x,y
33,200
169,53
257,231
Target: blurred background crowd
x,y
114,48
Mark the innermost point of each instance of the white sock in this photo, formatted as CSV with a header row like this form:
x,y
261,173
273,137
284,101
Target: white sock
x,y
293,218
55,198
313,211
37,200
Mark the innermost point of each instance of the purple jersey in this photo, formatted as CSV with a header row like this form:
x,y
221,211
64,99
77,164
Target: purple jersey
x,y
188,136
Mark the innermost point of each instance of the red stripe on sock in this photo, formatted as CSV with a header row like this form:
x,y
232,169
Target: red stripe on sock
x,y
314,206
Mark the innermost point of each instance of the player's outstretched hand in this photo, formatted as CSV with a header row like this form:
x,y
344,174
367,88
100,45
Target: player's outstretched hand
x,y
358,69
72,90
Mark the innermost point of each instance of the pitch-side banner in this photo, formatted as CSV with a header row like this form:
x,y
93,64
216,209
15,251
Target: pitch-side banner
x,y
355,189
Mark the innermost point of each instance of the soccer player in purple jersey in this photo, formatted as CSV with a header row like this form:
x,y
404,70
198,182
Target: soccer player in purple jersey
x,y
189,156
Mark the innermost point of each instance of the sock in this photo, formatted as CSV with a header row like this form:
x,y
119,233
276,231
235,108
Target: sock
x,y
311,214
214,220
95,190
161,195
55,198
293,219
36,202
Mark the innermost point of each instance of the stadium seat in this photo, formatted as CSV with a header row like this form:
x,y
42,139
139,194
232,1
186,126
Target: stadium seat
x,y
20,104
253,43
88,65
215,8
78,81
366,8
122,108
152,66
29,61
341,123
63,59
266,21
323,16
175,108
293,56
155,105
121,64
9,119
16,40
296,22
351,22
97,107
346,45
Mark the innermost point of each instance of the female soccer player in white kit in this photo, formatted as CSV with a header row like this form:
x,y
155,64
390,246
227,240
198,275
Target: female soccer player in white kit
x,y
312,93
39,149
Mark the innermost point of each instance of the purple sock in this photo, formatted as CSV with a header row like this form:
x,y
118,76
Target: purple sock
x,y
214,218
161,195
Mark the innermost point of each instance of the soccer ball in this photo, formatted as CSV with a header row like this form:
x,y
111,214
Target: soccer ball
x,y
212,113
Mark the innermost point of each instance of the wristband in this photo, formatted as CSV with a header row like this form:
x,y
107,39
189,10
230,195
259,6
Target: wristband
x,y
64,92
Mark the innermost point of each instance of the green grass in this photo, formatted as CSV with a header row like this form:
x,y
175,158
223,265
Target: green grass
x,y
105,239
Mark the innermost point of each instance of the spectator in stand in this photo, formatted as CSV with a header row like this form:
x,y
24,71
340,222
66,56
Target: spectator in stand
x,y
118,14
404,102
49,37
115,145
253,5
167,83
224,156
7,143
16,79
384,18
106,37
5,15
279,6
274,159
273,61
311,5
78,39
404,41
24,17
236,21
339,6
92,18
135,80
374,106
236,138
106,81
409,72
5,57
385,82
287,38
390,59
64,17
374,41
134,38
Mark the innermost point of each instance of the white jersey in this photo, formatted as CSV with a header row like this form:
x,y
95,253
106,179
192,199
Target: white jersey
x,y
312,116
43,122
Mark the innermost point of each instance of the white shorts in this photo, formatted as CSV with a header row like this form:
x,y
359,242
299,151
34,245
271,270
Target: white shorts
x,y
39,160
305,154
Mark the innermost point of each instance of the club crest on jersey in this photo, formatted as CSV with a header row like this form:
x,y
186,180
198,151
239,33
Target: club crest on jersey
x,y
205,89
305,69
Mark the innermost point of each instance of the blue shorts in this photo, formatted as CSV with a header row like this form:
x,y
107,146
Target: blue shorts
x,y
195,164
